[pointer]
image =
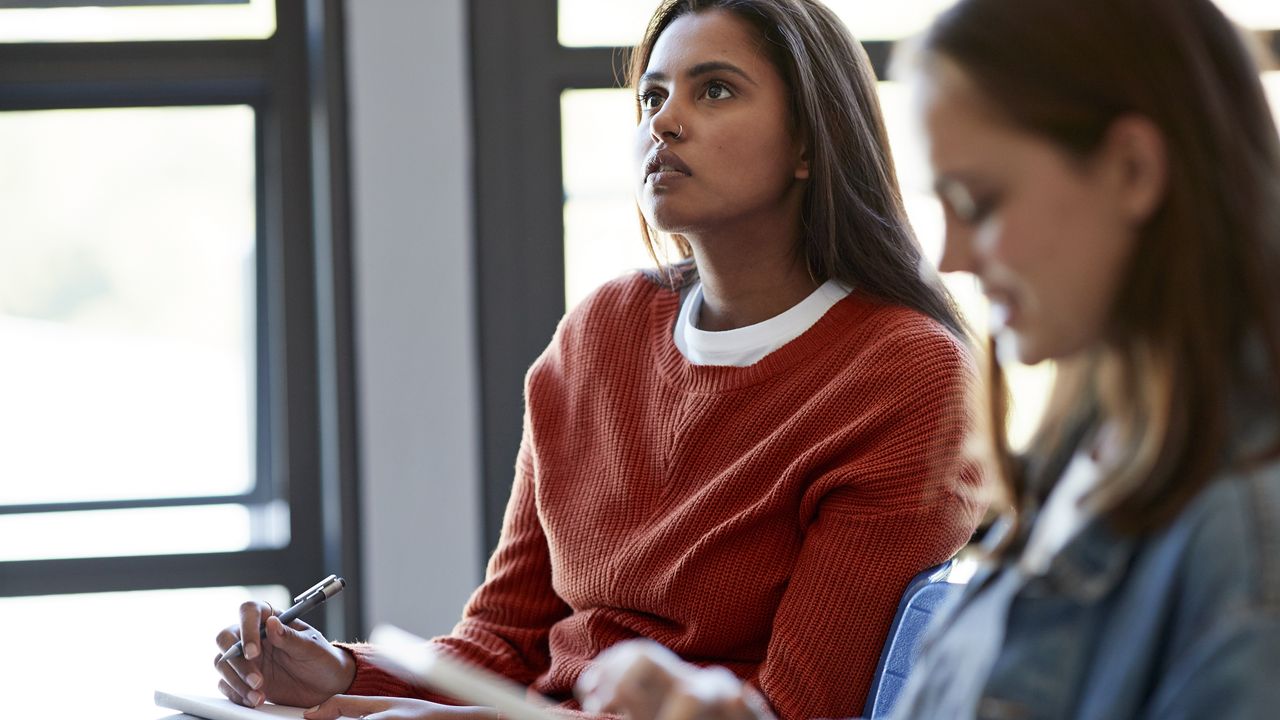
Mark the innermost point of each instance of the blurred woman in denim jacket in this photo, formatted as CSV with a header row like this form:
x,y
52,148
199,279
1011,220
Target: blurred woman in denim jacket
x,y
1110,172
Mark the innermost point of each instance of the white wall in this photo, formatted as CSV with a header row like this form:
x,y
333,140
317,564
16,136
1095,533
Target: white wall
x,y
410,124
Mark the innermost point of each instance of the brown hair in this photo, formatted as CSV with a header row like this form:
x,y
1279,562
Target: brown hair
x,y
1193,333
855,226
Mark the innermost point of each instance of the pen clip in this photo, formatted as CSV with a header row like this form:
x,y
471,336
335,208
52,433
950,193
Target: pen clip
x,y
314,588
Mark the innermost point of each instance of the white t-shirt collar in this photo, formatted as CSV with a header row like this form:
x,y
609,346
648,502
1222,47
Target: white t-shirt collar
x,y
745,346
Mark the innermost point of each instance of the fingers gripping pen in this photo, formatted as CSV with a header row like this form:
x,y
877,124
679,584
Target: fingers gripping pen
x,y
304,603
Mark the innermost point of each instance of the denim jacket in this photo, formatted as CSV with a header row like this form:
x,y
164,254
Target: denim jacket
x,y
1182,623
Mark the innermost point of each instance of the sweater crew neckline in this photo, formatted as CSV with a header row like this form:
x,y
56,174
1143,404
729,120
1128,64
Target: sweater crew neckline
x,y
680,372
749,344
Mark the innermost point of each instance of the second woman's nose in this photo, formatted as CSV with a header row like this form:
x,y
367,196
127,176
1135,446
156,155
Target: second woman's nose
x,y
957,250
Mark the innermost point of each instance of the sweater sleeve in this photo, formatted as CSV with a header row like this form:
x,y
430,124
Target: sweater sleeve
x,y
905,501
506,623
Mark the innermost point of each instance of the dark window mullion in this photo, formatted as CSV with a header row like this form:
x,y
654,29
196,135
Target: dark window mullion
x,y
519,256
591,67
290,293
176,60
326,66
77,75
152,572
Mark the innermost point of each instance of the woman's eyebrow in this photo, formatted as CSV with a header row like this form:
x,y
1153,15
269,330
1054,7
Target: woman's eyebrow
x,y
703,68
715,66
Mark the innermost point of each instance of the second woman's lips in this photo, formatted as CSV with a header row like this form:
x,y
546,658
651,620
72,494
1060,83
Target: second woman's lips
x,y
662,161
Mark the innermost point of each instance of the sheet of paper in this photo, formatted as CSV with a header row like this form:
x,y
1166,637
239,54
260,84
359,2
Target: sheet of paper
x,y
220,708
413,659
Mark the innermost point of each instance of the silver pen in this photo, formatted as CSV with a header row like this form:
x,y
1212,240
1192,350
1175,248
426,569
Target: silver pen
x,y
305,602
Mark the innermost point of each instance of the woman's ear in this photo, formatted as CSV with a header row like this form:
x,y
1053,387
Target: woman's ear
x,y
1137,155
802,163
802,168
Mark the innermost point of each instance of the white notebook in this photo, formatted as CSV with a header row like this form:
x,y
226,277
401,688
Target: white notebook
x,y
220,708
414,660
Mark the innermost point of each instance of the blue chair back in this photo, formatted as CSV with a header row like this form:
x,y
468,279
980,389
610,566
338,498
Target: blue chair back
x,y
924,596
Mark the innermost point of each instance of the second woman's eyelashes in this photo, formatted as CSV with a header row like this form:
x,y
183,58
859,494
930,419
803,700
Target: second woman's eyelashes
x,y
968,206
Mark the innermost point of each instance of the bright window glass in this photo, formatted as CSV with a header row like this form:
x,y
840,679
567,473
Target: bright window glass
x,y
143,531
1256,14
127,305
104,655
601,225
620,23
887,20
1271,82
245,20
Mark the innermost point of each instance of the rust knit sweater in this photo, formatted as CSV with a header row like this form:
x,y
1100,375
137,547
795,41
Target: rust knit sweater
x,y
764,518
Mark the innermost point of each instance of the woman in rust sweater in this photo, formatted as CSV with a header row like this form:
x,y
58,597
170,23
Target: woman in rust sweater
x,y
744,456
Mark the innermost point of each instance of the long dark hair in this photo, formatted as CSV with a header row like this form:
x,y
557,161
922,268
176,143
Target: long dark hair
x,y
1194,335
855,226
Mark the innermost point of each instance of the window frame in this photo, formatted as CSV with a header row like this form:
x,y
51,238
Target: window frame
x,y
304,356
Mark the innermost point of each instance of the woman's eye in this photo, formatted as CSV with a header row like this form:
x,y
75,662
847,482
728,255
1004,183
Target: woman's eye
x,y
972,214
718,91
650,100
981,211
968,207
978,209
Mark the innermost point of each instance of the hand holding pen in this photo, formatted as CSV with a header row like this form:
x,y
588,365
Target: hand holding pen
x,y
302,604
282,659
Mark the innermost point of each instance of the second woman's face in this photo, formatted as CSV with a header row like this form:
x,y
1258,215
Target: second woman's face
x,y
714,147
1048,235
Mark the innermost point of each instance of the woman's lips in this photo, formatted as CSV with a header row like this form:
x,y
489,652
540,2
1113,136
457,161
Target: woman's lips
x,y
665,177
998,317
1003,314
663,166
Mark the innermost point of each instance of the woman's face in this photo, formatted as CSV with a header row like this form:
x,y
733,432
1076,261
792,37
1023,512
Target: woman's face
x,y
714,147
1048,235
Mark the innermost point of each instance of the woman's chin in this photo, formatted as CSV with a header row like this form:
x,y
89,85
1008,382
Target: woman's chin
x,y
666,219
1013,347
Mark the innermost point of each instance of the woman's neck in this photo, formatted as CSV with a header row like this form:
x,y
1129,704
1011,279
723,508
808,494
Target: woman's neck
x,y
745,284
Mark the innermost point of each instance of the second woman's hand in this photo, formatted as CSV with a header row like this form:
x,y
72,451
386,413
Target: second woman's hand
x,y
643,680
290,665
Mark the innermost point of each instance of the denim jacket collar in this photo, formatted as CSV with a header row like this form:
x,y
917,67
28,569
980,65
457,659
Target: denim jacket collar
x,y
1085,570
1091,564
